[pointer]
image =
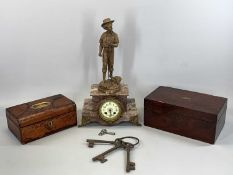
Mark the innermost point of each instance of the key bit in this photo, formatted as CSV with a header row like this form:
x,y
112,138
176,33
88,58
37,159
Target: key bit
x,y
100,158
104,131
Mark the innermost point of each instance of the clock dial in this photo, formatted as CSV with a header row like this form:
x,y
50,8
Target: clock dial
x,y
110,110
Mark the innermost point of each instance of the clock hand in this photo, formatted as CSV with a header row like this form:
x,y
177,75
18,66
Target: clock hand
x,y
110,111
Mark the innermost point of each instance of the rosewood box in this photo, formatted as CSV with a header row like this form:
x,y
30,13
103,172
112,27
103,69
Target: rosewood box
x,y
36,119
191,114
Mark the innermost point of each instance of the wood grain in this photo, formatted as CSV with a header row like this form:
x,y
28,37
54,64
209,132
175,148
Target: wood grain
x,y
191,114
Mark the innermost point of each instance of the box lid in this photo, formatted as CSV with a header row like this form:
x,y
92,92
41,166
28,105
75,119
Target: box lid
x,y
38,110
191,100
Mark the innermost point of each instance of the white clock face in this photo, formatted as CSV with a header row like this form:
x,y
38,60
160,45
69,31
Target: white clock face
x,y
110,110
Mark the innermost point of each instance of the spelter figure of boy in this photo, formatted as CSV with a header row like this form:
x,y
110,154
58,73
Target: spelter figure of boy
x,y
108,41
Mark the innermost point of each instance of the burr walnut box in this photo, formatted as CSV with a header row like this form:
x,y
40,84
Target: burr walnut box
x,y
36,119
191,114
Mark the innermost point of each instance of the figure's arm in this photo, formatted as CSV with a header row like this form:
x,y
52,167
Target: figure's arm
x,y
116,41
101,46
114,45
100,50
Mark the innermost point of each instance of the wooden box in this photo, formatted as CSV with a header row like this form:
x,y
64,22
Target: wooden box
x,y
36,119
191,114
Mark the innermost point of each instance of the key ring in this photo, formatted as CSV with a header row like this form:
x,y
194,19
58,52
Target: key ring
x,y
129,137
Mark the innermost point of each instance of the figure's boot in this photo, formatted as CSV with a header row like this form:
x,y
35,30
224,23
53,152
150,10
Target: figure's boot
x,y
104,76
110,75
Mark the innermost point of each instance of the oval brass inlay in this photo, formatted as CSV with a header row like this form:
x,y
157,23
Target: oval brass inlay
x,y
40,105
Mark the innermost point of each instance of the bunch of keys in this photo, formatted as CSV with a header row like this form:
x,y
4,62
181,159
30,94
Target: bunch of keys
x,y
104,131
118,143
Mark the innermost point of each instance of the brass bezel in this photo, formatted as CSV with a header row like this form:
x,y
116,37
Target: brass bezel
x,y
110,120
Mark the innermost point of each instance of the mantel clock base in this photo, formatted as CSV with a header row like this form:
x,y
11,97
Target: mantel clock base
x,y
109,109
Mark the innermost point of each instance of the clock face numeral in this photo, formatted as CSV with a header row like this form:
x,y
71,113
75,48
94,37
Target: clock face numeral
x,y
110,110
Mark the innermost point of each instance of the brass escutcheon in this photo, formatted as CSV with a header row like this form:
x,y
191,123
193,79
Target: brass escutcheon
x,y
40,105
49,125
186,98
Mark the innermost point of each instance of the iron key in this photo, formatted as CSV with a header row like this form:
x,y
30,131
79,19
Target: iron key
x,y
118,143
104,131
130,165
92,142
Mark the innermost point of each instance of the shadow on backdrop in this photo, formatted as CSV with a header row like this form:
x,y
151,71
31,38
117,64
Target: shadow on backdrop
x,y
89,45
129,41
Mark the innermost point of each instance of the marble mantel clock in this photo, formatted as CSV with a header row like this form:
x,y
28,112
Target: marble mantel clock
x,y
109,103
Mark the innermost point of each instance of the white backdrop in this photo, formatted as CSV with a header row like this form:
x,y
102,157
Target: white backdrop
x,y
51,46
